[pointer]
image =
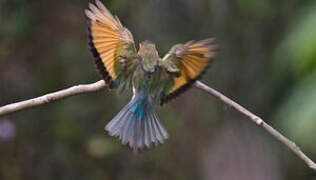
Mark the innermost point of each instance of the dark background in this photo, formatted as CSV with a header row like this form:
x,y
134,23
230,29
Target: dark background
x,y
266,62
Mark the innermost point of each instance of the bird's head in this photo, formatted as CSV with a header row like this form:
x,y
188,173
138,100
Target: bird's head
x,y
148,48
147,51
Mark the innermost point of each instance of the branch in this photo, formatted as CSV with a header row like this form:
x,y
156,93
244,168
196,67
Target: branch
x,y
290,144
80,89
48,98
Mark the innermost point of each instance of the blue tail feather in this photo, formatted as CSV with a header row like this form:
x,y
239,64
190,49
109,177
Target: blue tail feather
x,y
137,124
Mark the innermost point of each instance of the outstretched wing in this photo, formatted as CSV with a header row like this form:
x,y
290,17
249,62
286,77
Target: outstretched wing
x,y
186,63
112,44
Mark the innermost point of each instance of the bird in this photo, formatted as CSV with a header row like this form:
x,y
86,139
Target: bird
x,y
152,79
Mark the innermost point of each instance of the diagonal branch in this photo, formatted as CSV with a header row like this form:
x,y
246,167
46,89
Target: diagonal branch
x,y
80,89
290,144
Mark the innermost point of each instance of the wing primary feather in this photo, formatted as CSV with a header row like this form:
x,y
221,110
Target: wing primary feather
x,y
90,15
104,10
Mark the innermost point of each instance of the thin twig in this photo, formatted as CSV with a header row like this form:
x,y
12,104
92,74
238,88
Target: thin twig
x,y
290,144
80,89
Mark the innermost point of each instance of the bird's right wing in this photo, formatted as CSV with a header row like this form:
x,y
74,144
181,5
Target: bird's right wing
x,y
112,44
185,64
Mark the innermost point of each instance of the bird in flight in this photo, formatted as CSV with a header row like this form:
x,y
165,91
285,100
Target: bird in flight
x,y
151,78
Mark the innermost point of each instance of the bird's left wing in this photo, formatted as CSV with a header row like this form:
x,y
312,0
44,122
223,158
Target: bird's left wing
x,y
112,44
185,64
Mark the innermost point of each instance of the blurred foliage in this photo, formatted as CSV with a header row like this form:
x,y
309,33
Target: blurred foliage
x,y
297,114
299,47
266,62
297,52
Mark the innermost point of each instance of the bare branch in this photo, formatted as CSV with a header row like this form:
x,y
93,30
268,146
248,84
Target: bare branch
x,y
48,98
259,122
80,89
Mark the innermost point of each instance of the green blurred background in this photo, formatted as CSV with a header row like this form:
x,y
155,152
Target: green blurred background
x,y
266,61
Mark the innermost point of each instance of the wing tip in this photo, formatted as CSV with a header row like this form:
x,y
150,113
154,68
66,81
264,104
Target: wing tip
x,y
98,12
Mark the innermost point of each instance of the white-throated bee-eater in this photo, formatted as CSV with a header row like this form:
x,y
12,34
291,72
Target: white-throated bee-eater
x,y
151,78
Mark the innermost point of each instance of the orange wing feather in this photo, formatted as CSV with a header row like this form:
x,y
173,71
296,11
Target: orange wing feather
x,y
194,59
106,36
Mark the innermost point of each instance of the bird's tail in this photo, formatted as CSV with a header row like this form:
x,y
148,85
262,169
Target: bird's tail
x,y
137,123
